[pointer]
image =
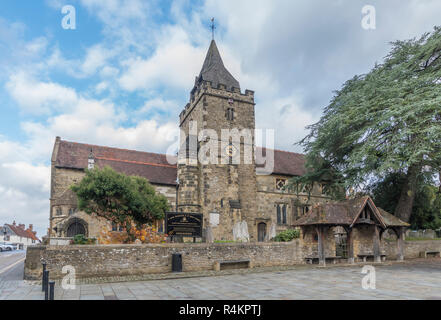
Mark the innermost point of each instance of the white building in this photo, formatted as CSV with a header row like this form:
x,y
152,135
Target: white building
x,y
19,235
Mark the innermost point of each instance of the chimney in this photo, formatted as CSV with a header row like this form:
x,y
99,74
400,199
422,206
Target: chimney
x,y
13,223
30,227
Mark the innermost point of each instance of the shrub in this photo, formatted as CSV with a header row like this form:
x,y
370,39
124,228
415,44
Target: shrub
x,y
287,235
146,234
81,239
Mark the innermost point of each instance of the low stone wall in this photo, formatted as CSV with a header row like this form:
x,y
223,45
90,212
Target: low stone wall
x,y
92,261
122,260
412,249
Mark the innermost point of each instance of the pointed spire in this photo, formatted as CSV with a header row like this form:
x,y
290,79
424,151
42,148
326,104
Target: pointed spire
x,y
214,70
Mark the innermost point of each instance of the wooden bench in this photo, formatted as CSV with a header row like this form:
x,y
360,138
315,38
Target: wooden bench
x,y
428,254
311,260
365,256
232,264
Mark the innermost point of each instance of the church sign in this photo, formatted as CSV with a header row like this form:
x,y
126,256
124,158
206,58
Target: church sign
x,y
183,224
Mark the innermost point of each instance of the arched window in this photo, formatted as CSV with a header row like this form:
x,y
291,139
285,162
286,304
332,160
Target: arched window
x,y
59,212
230,114
279,215
284,214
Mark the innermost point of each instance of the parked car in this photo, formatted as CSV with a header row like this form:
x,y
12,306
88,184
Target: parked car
x,y
6,247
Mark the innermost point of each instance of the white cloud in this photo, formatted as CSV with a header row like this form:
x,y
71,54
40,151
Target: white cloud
x,y
174,64
39,97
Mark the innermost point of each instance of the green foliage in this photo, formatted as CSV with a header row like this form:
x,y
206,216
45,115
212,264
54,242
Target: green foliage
x,y
287,235
81,239
426,212
386,121
120,198
427,209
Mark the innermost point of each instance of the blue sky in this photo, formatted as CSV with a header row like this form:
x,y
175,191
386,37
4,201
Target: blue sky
x,y
124,74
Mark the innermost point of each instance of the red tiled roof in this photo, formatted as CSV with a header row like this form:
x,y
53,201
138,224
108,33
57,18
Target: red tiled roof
x,y
154,166
285,163
32,235
25,233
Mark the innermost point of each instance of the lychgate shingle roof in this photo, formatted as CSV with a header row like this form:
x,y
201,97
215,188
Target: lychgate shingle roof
x,y
345,213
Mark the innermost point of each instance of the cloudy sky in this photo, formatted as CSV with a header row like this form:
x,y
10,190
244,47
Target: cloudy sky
x,y
124,74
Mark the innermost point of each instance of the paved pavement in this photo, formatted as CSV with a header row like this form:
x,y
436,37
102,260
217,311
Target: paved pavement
x,y
409,280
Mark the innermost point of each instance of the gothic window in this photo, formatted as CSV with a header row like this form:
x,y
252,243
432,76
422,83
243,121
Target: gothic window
x,y
230,114
71,211
59,212
305,210
280,184
284,214
279,215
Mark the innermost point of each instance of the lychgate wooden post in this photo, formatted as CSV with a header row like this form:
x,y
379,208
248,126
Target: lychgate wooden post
x,y
321,244
400,243
376,240
350,244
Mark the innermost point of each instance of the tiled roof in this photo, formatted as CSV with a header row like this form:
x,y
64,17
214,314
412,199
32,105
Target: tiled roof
x,y
21,232
285,163
154,166
345,213
391,220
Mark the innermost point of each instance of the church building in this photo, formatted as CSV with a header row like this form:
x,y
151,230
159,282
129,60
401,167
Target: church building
x,y
239,200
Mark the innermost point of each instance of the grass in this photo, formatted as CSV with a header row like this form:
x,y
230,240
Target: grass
x,y
412,239
420,239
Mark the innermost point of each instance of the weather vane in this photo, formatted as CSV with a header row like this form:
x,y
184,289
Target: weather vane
x,y
212,28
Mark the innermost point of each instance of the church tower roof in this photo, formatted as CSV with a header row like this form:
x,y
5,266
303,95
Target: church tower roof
x,y
214,70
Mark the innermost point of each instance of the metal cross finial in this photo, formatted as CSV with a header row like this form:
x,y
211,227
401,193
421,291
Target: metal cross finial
x,y
212,28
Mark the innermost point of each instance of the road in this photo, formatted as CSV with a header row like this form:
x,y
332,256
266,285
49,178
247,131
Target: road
x,y
12,265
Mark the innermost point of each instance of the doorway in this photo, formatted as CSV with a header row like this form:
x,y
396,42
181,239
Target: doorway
x,y
75,228
261,232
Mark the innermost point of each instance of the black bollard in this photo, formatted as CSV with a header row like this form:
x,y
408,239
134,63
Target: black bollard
x,y
42,281
51,290
46,285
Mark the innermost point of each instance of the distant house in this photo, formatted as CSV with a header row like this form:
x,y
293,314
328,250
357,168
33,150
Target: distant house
x,y
18,234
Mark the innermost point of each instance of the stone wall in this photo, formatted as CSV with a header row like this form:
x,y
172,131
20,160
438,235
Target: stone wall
x,y
412,249
121,260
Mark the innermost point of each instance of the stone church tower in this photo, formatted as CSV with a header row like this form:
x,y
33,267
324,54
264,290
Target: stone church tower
x,y
223,187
